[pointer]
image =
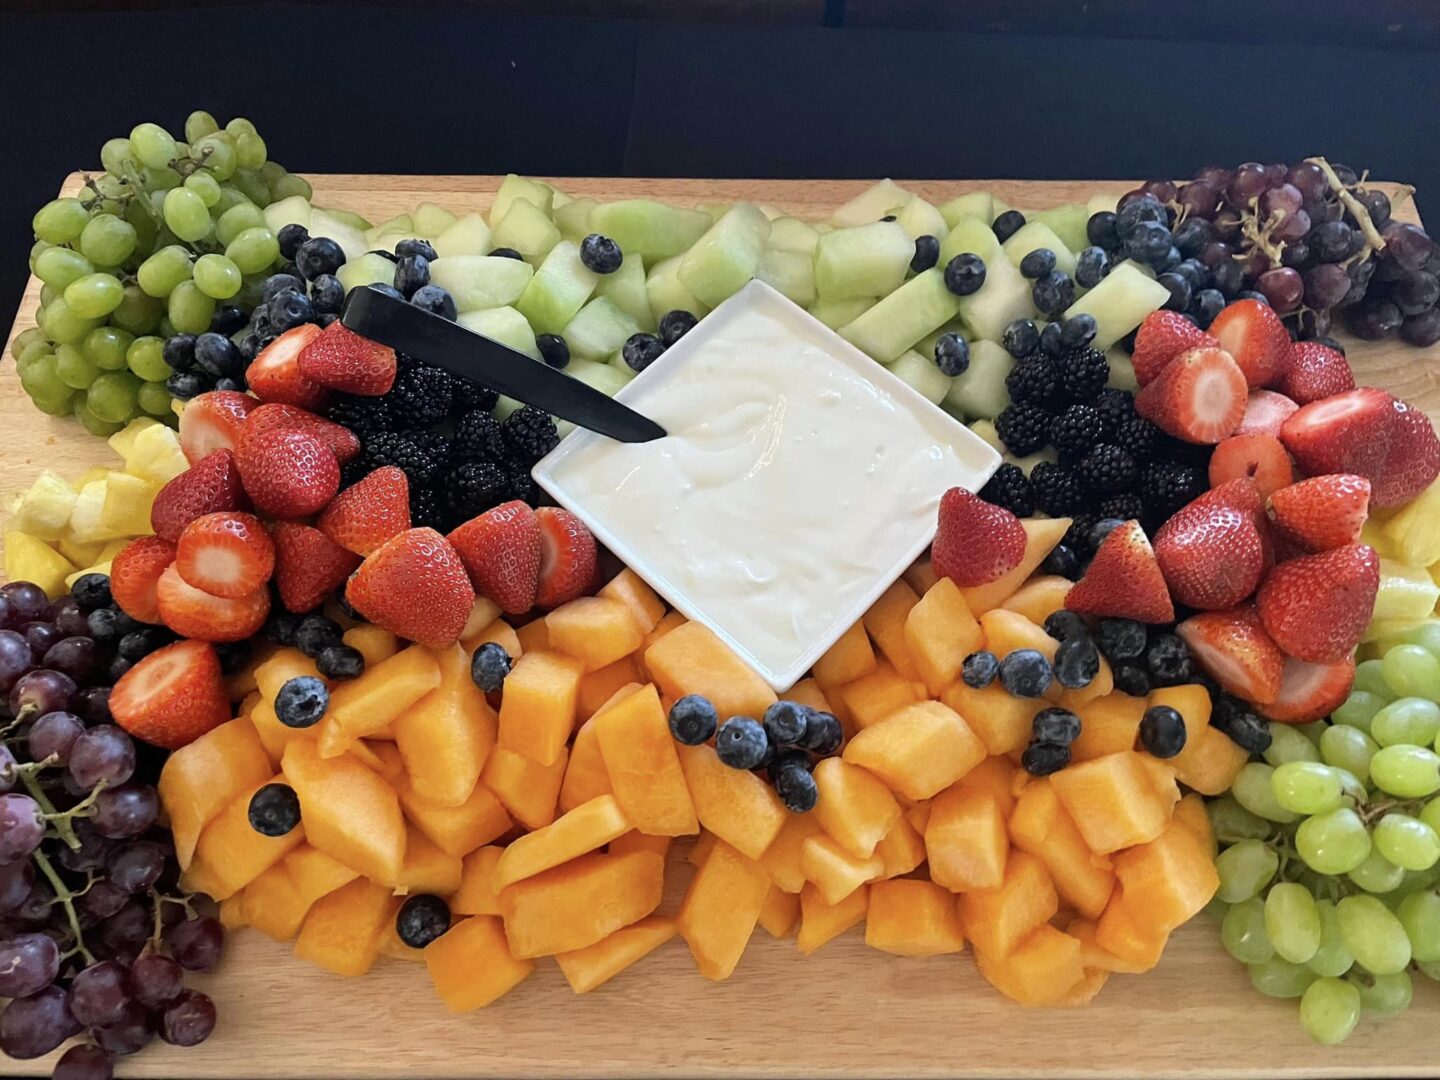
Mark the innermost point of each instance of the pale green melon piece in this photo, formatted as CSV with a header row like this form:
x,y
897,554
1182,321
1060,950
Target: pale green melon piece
x,y
791,273
1096,203
1068,220
1119,303
926,345
1003,298
976,204
727,256
984,428
836,313
1029,461
469,235
505,325
921,375
979,391
349,217
350,239
573,218
970,234
653,230
770,210
527,229
792,234
617,361
862,260
714,210
625,288
294,210
558,198
918,218
477,282
871,204
1036,234
998,206
1122,371
541,196
901,319
368,269
598,330
667,293
558,290
602,377
506,405
398,223
386,241
1138,267
564,427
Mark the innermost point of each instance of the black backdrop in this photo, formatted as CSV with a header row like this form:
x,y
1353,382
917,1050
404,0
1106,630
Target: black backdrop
x,y
411,88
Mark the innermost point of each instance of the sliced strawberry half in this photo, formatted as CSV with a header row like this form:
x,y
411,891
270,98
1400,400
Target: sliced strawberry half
x,y
194,613
134,574
1162,337
341,440
567,558
1316,371
1263,458
1265,413
366,514
1309,692
1123,580
173,696
501,550
1233,647
229,554
1252,333
275,375
1347,433
1199,397
209,486
344,360
1322,512
975,541
1413,461
308,566
213,421
1317,607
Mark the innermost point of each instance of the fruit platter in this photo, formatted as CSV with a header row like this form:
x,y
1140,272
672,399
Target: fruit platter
x,y
361,720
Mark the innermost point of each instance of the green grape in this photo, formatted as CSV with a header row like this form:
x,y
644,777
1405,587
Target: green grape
x,y
60,221
42,379
160,273
143,224
32,352
152,145
1419,914
272,171
1304,786
186,214
113,188
36,250
160,180
1329,1010
253,250
1377,874
1332,958
1430,814
1348,748
62,325
155,399
215,152
57,267
1373,934
1407,841
1245,869
90,422
1412,772
47,296
240,126
146,358
1425,634
115,155
252,293
94,296
1279,978
250,150
107,240
236,220
1288,744
217,277
190,310
199,124
1334,842
1357,710
1292,922
1252,790
137,313
112,396
1410,720
166,329
253,185
23,338
57,406
1370,679
205,185
290,185
1243,932
1412,671
105,346
1384,995
75,369
1430,969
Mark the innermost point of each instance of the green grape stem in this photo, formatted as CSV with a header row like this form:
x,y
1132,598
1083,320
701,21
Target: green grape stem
x,y
60,819
66,899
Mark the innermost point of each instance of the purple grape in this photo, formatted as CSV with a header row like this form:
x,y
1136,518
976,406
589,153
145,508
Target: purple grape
x,y
1308,179
1248,182
10,617
1215,253
78,657
156,980
1406,245
196,943
125,811
135,867
1275,173
8,774
16,658
1292,226
16,881
27,598
1163,190
93,705
102,900
41,691
102,753
1227,224
40,636
1373,319
34,911
1283,287
22,827
130,1034
1324,211
1422,330
1284,199
1217,176
1199,199
99,994
54,734
1377,205
188,1020
70,620
83,1061
28,964
126,932
35,1025
1326,285
1416,292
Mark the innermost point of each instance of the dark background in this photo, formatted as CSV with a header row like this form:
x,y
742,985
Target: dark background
x,y
768,88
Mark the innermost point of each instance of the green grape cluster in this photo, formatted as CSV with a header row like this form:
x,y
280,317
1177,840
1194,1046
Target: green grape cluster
x,y
1330,848
171,233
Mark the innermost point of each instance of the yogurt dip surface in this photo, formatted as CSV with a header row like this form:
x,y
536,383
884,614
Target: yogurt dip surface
x,y
797,480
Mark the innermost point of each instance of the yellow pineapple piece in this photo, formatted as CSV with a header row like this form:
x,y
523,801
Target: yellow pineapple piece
x,y
44,510
155,454
126,509
84,554
537,712
28,558
124,439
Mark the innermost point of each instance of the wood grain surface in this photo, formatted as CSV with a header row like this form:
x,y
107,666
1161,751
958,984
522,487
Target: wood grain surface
x,y
846,1011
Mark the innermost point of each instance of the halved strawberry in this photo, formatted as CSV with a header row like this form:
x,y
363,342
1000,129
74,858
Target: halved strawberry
x,y
1316,371
1233,647
501,550
173,696
415,586
1123,580
1309,692
227,554
212,421
1261,457
344,360
308,566
287,473
1348,433
1316,607
268,417
975,541
1199,397
1252,333
209,486
195,613
567,559
1413,461
1162,337
275,375
1323,512
134,573
1212,557
366,514
1265,412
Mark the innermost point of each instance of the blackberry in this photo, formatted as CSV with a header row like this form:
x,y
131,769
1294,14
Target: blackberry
x,y
362,415
521,486
1023,428
353,471
1196,455
427,510
422,462
1062,493
1077,536
421,396
530,433
1165,487
1115,407
1082,373
470,396
1107,470
475,487
1137,436
1033,380
1124,506
1075,430
1009,487
477,438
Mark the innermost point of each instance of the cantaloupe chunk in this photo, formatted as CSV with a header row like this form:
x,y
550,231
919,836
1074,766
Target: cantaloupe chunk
x,y
581,902
1169,879
445,737
918,751
242,683
1103,683
1041,536
1043,970
821,922
274,735
483,612
903,848
273,905
1125,932
808,692
1040,826
1040,597
247,704
230,854
477,894
690,659
1190,812
1211,764
500,633
909,917
737,806
1108,725
428,868
342,930
635,840
700,850
643,767
670,621
1086,990
595,630
534,636
200,779
1093,957
586,828
998,777
833,870
997,919
885,623
873,697
855,807
645,607
374,643
1006,631
378,698
920,575
280,668
721,908
780,914
1113,800
471,964
939,633
232,912
315,873
348,811
1003,722
527,789
585,775
1192,702
585,969
847,660
458,829
537,712
392,947
918,816
598,687
965,840
782,858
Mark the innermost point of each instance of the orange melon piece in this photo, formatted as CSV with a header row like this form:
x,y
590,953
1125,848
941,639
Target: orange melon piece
x,y
534,636
200,779
690,659
230,854
248,703
349,812
998,777
909,917
965,839
920,576
273,905
1002,722
527,789
598,687
997,919
885,623
1169,879
1040,827
635,840
1127,934
780,914
1007,631
483,612
1162,776
282,666
274,736
581,902
855,807
1086,990
243,683
1094,957
585,969
586,828
374,643
232,912
585,775
1211,764
700,850
378,698
395,949
833,870
939,633
847,660
537,711
1040,597
471,964
1043,970
499,632
721,908
808,692
445,737
669,621
458,829
645,607
821,922
342,931
1190,812
477,894
873,697
315,874
1108,725
737,806
1098,687
782,858
643,767
1192,702
918,816
903,848
1041,536
1113,800
384,757
594,630
427,868
918,751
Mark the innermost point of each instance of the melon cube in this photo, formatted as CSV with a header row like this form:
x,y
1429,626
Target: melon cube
x,y
979,390
918,218
790,273
782,859
966,843
1003,298
780,914
593,966
505,325
230,854
921,576
1169,878
446,736
1211,764
1069,221
427,868
273,905
1040,827
1002,722
1112,800
998,918
558,290
374,643
902,317
200,779
912,918
873,697
372,702
855,807
1034,235
721,908
690,659
875,202
370,268
1043,970
537,712
232,913
885,623
973,204
737,806
279,668
342,931
1041,536
526,228
727,255
862,261
821,922
643,766
599,329
459,829
1119,304
527,789
1040,597
467,235
625,288
476,894
836,313
939,633
1192,702
653,230
635,840
833,870
349,812
584,829
1190,812
645,607
919,750
1108,725
534,636
792,234
1096,958
595,630
700,850
1125,931
903,848
471,964
581,902
666,292
478,282
808,692
501,633
314,874
1007,631
585,775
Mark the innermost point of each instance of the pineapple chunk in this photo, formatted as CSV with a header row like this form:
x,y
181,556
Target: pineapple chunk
x,y
45,509
155,454
95,568
124,439
28,558
126,510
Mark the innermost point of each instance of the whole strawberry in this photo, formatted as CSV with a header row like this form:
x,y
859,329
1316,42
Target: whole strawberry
x,y
1316,371
415,586
341,359
308,565
1414,458
209,486
288,474
501,550
1212,556
1317,607
366,514
1350,432
341,440
173,696
975,541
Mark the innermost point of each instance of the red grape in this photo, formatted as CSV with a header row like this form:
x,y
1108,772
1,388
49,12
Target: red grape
x,y
1254,262
16,658
130,1034
33,1026
1308,179
157,980
1377,205
1422,330
126,932
1373,319
99,994
27,598
78,657
1199,199
1284,199
1212,255
93,705
1275,173
83,1062
104,753
102,900
1248,183
1163,190
1283,287
195,944
135,867
54,735
1217,176
70,620
1406,245
8,775
189,1020
1416,292
16,881
40,636
1227,224
1323,210
41,691
28,964
1326,285
125,811
1292,227
22,827
10,616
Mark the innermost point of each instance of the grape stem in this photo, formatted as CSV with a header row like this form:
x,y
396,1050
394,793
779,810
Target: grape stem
x,y
61,819
1354,205
66,898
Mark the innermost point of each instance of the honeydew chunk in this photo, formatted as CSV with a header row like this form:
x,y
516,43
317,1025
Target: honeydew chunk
x,y
980,390
602,377
902,318
598,329
350,239
505,325
728,255
625,288
618,364
998,206
469,235
714,210
506,405
921,375
1034,235
1068,220
836,313
513,188
926,345
653,230
863,260
1003,298
986,430
976,204
918,218
371,269
387,241
431,219
871,204
572,217
792,234
667,292
292,210
349,217
558,290
477,282
526,229
972,235
791,273
1118,304
1122,371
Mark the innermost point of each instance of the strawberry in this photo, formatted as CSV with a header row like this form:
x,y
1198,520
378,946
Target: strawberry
x,y
341,359
173,696
229,555
1261,457
209,486
212,421
274,375
308,565
1316,607
1346,433
1199,397
1316,371
341,440
976,541
567,557
1242,494
1265,411
501,551
366,514
288,474
1123,580
415,586
1321,513
1163,336
195,613
1413,460
1256,339
134,572
1236,651
1309,692
1212,557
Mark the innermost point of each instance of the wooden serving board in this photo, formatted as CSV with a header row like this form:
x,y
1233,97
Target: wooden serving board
x,y
848,1010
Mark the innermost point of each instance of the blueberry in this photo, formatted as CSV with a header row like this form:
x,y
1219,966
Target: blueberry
x,y
1044,758
952,354
927,253
327,295
1162,731
980,669
91,591
1037,263
1146,208
1062,560
340,662
289,310
217,355
1056,726
421,919
1168,660
506,253
101,624
237,383
823,734
291,237
1062,625
797,789
411,273
1228,277
693,720
1101,529
423,248
1077,662
742,743
1248,731
1149,241
301,702
489,666
1053,293
1131,679
326,319
1050,340
1207,304
280,627
1077,331
276,284
792,758
785,723
138,644
1122,639
1091,266
315,634
228,319
1100,229
274,810
1169,261
179,352
1021,338
676,324
1008,224
184,385
118,667
1179,288
1194,235
554,350
1025,673
641,350
965,273
600,254
1195,272
234,655
318,255
434,299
